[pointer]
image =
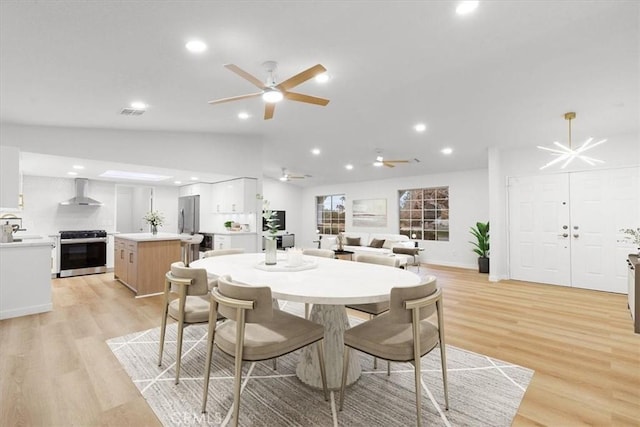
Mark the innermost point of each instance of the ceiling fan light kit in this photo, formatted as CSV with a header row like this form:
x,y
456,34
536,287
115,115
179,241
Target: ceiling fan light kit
x,y
271,92
567,154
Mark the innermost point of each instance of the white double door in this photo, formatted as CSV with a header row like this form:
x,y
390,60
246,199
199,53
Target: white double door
x,y
564,228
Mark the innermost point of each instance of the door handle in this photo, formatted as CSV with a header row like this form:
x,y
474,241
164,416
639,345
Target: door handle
x,y
563,235
576,235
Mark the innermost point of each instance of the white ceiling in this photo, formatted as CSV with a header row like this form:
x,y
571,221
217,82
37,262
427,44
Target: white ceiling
x,y
503,76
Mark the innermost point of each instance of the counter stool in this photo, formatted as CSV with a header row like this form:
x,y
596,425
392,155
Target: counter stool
x,y
187,244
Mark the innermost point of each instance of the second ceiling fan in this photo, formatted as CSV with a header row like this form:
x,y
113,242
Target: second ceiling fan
x,y
272,92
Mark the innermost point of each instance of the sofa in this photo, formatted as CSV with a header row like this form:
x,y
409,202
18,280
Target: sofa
x,y
375,244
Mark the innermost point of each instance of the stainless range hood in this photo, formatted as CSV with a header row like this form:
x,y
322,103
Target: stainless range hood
x,y
81,198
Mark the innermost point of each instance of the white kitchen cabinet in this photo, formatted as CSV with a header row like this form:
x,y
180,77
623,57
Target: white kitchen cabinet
x,y
234,196
246,241
9,178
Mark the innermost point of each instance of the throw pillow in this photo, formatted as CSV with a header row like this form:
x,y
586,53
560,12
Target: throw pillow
x,y
388,244
353,241
376,243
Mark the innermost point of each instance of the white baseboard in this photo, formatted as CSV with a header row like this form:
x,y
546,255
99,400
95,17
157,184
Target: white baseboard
x,y
25,311
453,264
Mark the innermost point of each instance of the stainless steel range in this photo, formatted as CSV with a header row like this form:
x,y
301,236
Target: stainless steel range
x,y
82,252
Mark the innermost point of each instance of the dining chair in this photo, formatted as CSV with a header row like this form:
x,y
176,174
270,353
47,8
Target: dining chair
x,y
404,334
191,306
255,331
218,252
322,253
375,308
188,242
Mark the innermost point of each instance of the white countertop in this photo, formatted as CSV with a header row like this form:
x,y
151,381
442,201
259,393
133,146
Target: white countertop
x,y
333,281
29,242
148,237
232,233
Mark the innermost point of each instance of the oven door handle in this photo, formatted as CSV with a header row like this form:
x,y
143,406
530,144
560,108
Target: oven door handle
x,y
88,240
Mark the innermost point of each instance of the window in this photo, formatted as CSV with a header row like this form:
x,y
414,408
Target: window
x,y
330,214
425,213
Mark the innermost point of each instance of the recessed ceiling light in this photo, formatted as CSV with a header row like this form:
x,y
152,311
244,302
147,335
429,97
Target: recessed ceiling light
x,y
466,7
446,151
138,105
78,167
177,182
315,151
72,173
420,127
322,78
196,46
243,115
349,167
133,175
194,178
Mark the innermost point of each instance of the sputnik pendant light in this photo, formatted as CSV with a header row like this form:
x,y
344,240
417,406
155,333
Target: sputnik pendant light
x,y
566,154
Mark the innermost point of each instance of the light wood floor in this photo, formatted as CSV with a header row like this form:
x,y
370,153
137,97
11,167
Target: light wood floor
x,y
55,368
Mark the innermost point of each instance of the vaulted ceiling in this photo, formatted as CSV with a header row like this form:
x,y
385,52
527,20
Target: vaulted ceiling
x,y
502,76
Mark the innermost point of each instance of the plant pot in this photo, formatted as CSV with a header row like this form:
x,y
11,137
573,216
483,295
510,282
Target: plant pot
x,y
483,265
270,252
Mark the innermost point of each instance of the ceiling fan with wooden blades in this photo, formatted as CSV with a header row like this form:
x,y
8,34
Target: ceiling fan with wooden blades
x,y
286,176
271,92
381,161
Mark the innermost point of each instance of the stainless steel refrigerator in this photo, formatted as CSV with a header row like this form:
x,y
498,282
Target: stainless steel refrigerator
x,y
189,220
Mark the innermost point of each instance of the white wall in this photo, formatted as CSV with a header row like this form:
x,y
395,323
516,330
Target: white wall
x,y
619,151
283,196
468,203
43,215
199,152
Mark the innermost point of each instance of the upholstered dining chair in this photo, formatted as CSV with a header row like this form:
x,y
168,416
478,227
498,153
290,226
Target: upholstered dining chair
x,y
375,308
255,331
403,334
322,253
218,252
191,305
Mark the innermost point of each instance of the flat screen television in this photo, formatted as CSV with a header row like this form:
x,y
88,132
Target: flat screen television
x,y
282,221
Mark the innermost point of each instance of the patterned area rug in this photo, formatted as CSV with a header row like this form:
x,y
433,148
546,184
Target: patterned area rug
x,y
482,391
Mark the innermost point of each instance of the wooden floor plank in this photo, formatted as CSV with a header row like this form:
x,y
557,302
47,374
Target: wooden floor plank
x,y
580,344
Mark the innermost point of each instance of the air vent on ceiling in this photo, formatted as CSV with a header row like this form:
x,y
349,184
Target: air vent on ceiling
x,y
131,112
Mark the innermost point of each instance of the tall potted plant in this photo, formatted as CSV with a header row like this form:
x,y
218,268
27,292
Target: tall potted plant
x,y
481,245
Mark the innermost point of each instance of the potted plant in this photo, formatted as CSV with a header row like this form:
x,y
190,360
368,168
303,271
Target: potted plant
x,y
481,245
228,225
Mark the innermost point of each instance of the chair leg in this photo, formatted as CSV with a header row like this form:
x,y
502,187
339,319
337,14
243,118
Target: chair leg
x,y
416,363
388,368
183,298
307,310
323,372
275,363
345,369
238,365
443,353
163,327
210,338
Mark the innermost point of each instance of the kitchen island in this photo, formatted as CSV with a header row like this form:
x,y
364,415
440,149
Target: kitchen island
x,y
25,277
142,259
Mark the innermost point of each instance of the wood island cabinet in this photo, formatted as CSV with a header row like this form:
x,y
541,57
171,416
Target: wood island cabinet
x,y
142,264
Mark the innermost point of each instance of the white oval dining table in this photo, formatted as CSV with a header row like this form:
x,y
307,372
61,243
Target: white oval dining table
x,y
328,284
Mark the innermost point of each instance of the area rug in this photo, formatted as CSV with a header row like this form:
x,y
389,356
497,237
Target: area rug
x,y
482,391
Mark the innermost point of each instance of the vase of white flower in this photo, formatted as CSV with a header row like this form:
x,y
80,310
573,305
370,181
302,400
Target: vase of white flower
x,y
634,236
270,243
154,219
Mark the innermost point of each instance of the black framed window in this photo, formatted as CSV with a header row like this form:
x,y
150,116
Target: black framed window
x,y
330,213
424,213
